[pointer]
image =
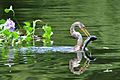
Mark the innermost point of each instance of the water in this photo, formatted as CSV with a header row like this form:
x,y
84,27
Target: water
x,y
101,18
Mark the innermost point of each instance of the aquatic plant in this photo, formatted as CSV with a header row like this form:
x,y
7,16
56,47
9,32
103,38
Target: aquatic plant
x,y
12,37
47,35
48,32
7,32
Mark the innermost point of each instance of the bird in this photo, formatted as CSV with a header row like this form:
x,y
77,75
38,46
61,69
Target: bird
x,y
80,48
77,35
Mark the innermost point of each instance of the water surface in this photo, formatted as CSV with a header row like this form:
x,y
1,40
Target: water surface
x,y
101,17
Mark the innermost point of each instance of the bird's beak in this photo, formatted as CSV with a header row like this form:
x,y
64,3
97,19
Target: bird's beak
x,y
85,32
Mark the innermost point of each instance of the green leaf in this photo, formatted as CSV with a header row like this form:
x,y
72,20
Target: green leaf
x,y
47,29
46,42
2,21
27,24
15,35
28,39
30,29
47,32
6,32
7,10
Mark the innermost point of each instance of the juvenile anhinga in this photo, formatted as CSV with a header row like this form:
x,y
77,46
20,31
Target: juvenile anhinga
x,y
80,47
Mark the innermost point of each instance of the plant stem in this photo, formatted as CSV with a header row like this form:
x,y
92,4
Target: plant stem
x,y
34,24
16,18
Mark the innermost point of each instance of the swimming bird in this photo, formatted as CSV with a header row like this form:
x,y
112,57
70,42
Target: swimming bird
x,y
77,35
80,48
80,44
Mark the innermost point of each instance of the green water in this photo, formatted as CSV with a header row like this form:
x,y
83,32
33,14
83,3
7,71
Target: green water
x,y
101,17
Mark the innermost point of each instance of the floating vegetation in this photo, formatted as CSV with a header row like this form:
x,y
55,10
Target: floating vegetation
x,y
11,35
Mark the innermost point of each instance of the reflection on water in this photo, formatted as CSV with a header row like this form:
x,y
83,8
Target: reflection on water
x,y
101,18
52,66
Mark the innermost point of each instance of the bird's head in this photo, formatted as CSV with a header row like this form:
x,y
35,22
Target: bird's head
x,y
82,27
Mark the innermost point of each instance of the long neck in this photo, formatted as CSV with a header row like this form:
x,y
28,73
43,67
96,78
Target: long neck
x,y
72,29
76,35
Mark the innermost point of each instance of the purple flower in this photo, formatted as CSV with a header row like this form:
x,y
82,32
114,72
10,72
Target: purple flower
x,y
9,24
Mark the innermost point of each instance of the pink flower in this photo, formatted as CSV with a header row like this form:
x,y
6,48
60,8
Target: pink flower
x,y
9,24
